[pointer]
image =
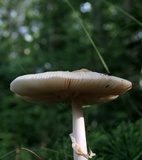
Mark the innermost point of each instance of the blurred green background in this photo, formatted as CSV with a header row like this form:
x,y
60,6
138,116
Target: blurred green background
x,y
44,35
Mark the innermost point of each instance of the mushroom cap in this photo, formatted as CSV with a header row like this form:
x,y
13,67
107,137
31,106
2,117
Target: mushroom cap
x,y
63,86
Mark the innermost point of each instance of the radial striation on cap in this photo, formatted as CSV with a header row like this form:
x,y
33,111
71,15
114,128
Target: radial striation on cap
x,y
62,86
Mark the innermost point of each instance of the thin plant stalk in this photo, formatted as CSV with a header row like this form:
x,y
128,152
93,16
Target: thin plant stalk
x,y
89,37
124,12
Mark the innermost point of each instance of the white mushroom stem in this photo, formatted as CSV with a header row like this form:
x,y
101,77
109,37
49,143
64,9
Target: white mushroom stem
x,y
79,135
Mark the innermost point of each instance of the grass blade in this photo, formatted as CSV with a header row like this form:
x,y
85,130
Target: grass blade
x,y
89,37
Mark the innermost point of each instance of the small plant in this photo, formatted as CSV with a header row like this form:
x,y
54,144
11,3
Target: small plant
x,y
123,143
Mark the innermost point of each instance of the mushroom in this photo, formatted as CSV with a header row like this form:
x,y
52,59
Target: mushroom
x,y
81,87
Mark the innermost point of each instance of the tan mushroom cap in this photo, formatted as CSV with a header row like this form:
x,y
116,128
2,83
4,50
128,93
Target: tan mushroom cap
x,y
63,86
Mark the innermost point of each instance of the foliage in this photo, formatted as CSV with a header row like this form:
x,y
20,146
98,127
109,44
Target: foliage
x,y
38,36
121,143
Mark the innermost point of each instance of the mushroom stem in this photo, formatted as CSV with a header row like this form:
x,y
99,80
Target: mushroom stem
x,y
79,129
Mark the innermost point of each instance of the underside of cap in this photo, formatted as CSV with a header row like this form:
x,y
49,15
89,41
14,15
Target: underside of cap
x,y
62,86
